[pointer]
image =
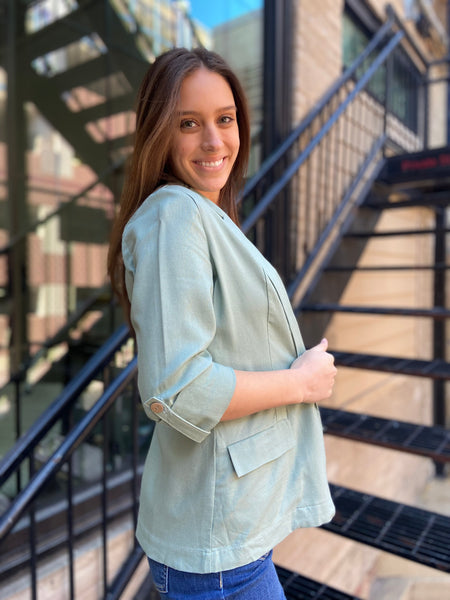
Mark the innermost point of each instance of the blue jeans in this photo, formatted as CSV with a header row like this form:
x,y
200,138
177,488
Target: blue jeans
x,y
255,581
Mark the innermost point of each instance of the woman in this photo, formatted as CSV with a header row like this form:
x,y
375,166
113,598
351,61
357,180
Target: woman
x,y
236,461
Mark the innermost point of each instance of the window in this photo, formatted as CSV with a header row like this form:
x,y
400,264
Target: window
x,y
405,79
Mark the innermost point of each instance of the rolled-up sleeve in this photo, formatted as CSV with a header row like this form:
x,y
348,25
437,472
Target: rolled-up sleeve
x,y
169,277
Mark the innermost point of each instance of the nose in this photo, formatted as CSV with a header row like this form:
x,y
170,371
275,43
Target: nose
x,y
212,140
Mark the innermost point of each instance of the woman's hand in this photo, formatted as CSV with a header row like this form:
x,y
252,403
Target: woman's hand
x,y
309,379
316,372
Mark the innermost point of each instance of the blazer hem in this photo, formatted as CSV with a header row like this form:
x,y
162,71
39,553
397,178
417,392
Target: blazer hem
x,y
213,560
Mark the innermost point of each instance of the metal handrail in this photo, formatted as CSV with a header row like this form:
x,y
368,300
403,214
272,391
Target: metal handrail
x,y
346,76
281,183
71,442
283,148
71,392
301,275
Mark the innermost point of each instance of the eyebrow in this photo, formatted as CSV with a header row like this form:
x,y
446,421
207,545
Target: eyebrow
x,y
194,112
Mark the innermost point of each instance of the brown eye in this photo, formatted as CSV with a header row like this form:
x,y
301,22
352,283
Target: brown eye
x,y
187,124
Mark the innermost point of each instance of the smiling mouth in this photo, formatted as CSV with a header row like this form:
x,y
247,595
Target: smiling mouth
x,y
209,163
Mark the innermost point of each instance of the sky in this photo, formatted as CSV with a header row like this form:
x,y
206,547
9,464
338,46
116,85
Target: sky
x,y
214,12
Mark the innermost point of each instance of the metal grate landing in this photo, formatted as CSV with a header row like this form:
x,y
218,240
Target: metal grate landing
x,y
405,531
434,369
432,442
297,587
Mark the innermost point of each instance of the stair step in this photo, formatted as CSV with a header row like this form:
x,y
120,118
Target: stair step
x,y
116,144
428,198
433,313
298,587
434,369
396,233
345,268
90,17
429,441
110,107
61,118
62,32
83,74
412,533
416,169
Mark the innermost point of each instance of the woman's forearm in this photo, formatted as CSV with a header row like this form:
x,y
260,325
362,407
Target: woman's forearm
x,y
309,379
259,390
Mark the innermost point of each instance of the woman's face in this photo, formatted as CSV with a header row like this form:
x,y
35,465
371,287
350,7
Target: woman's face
x,y
206,139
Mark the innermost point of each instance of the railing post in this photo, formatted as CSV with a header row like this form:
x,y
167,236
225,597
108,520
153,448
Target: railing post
x,y
387,92
426,106
439,338
17,209
448,75
70,516
33,535
18,423
277,111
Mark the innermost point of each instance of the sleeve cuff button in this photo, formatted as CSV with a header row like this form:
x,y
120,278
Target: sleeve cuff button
x,y
157,407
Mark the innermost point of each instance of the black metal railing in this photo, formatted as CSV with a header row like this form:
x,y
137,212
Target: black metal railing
x,y
91,474
332,150
68,295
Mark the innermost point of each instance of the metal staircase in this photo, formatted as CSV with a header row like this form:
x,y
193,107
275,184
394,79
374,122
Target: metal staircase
x,y
88,50
428,188
80,68
415,534
111,429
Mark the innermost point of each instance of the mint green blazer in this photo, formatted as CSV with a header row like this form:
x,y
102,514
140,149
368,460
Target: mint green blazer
x,y
204,301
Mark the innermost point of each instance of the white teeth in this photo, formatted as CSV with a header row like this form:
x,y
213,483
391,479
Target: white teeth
x,y
216,163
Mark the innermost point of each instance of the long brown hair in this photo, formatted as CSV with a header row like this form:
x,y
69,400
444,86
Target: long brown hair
x,y
149,165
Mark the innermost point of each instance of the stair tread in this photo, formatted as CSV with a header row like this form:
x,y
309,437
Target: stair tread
x,y
412,533
112,106
431,198
435,369
416,168
82,21
298,587
430,441
83,73
57,34
437,313
391,233
433,267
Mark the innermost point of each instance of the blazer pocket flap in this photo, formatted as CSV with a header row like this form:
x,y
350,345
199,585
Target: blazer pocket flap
x,y
261,448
